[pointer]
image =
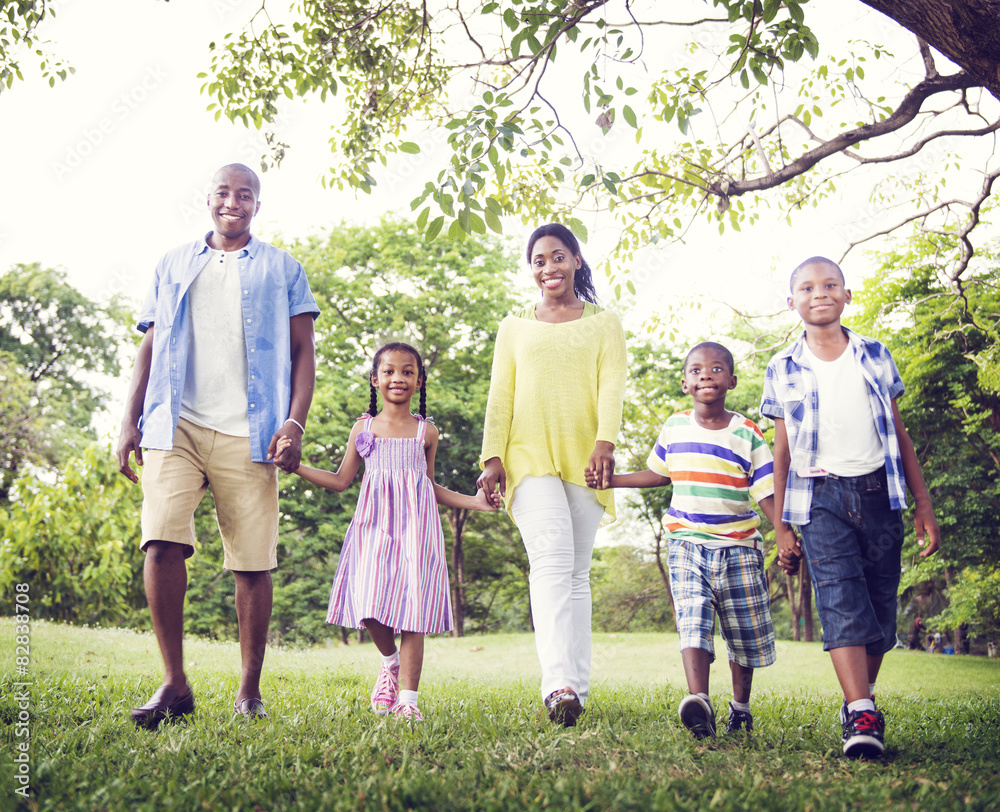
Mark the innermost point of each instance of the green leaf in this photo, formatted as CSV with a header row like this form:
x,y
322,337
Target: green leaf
x,y
434,228
409,148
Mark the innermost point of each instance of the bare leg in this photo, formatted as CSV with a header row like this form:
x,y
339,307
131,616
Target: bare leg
x,y
165,577
696,668
254,594
382,636
874,665
742,681
852,666
411,660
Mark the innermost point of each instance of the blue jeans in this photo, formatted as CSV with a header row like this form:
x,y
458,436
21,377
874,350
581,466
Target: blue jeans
x,y
853,542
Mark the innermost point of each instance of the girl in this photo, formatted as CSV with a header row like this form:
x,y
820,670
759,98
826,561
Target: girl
x,y
554,411
392,573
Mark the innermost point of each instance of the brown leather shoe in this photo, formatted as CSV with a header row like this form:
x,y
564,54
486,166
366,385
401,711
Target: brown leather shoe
x,y
161,706
250,708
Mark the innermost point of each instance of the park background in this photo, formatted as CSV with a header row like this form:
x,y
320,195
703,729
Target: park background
x,y
108,167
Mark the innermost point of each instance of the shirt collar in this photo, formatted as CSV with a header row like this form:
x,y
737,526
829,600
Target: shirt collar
x,y
250,249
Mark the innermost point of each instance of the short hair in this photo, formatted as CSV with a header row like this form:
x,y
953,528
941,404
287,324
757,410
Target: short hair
x,y
254,180
813,261
397,346
727,356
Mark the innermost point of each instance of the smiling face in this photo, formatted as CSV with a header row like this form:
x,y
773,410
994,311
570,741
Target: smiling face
x,y
708,376
233,203
819,293
554,267
398,376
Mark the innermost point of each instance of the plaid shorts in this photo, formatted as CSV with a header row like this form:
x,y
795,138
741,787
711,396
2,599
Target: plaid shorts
x,y
728,582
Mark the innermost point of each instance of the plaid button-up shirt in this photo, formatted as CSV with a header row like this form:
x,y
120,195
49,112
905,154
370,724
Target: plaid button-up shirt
x,y
791,394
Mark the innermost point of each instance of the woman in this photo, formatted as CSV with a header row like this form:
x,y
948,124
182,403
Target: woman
x,y
554,412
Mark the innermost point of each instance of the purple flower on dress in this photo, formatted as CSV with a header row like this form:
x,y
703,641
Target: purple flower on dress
x,y
364,442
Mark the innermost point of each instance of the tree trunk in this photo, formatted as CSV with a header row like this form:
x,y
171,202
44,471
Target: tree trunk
x,y
805,602
965,31
456,521
793,605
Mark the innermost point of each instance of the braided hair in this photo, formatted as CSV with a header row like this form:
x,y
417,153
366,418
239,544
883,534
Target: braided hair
x,y
583,279
397,346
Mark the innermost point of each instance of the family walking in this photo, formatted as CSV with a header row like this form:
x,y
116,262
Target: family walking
x,y
220,394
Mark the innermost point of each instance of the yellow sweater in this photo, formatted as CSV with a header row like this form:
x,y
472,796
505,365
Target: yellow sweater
x,y
555,390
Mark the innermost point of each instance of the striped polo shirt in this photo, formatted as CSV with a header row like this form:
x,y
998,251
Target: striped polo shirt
x,y
714,475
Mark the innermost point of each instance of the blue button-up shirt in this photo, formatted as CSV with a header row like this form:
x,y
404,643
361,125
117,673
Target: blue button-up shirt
x,y
273,288
791,394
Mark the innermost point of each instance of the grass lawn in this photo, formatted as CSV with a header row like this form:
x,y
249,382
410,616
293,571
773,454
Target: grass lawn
x,y
482,746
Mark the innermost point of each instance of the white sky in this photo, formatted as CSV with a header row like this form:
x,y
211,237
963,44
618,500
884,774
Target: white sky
x,y
105,172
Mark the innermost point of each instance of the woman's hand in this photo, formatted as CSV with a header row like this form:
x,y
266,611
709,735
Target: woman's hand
x,y
601,466
492,477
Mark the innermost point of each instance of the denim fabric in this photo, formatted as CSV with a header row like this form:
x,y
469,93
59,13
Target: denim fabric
x,y
853,545
274,288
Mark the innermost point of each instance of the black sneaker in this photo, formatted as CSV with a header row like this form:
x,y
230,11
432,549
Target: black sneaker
x,y
739,719
698,716
864,734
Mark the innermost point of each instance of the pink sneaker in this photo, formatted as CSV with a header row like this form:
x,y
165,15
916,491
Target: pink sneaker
x,y
386,689
408,711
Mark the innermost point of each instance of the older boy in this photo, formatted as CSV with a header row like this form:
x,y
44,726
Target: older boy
x,y
842,463
226,368
717,460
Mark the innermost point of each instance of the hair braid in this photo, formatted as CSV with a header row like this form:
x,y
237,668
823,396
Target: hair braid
x,y
423,395
373,403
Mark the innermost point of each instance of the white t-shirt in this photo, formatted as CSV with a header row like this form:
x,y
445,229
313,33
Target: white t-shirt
x,y
215,386
849,444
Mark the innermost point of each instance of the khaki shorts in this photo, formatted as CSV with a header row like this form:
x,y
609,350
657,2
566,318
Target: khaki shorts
x,y
245,492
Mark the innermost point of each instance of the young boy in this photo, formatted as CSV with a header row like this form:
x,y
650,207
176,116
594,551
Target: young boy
x,y
717,460
842,462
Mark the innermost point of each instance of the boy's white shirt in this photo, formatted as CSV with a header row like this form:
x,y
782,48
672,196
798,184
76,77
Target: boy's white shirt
x,y
849,444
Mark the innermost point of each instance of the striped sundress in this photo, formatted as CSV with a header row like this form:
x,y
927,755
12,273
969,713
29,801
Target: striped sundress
x,y
392,565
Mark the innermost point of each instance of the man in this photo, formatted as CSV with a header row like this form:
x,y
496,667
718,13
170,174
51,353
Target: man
x,y
226,367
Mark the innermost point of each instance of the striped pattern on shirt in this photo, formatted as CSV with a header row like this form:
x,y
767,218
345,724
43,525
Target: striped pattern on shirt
x,y
714,474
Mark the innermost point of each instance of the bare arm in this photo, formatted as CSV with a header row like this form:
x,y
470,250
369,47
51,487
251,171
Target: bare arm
x,y
130,435
481,500
303,352
344,476
789,545
639,479
924,521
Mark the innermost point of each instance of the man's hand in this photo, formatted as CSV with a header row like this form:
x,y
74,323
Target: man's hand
x,y
286,448
127,443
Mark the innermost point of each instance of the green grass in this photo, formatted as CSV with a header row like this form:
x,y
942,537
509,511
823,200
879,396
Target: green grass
x,y
483,746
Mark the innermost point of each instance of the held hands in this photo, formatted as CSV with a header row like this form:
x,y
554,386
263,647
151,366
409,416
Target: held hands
x,y
789,549
286,448
487,501
601,466
493,480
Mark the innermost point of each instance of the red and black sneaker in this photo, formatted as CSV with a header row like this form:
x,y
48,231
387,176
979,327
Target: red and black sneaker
x,y
864,734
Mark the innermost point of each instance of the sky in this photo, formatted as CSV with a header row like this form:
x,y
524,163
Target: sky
x,y
108,170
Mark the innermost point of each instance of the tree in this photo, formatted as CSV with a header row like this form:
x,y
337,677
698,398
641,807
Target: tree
x,y
80,556
738,116
19,37
53,339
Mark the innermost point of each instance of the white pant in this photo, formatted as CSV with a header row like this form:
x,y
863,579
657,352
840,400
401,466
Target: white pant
x,y
558,523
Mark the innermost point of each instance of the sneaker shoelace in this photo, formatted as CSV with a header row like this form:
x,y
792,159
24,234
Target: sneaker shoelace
x,y
386,687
